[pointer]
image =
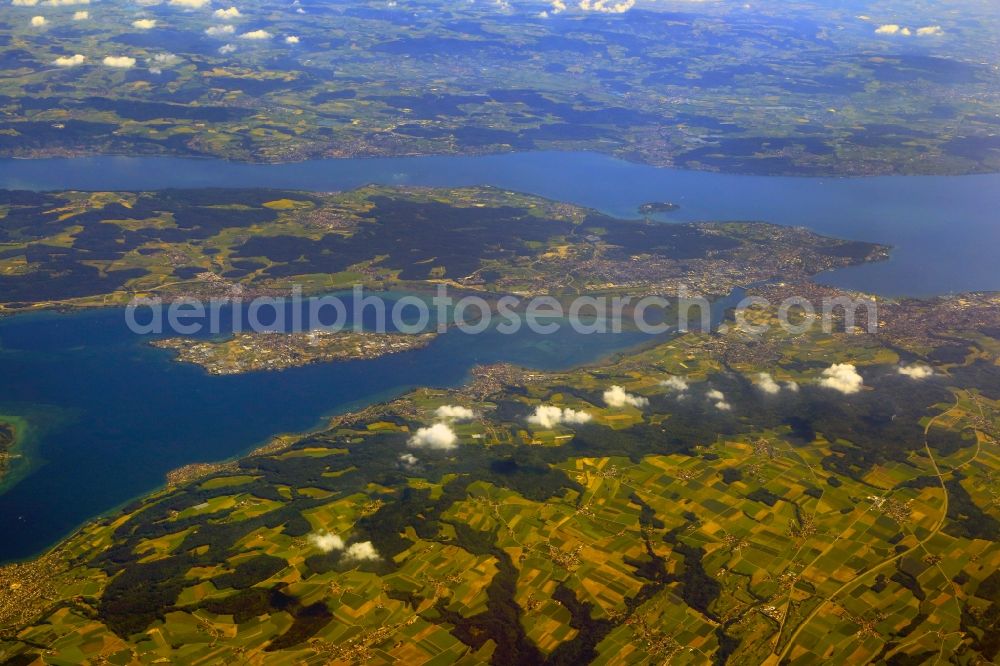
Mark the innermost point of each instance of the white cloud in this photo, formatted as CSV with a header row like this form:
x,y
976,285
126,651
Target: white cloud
x,y
905,32
766,383
454,413
160,60
38,21
65,3
326,542
226,48
888,29
226,14
144,24
291,39
549,416
842,377
575,417
191,4
930,31
24,3
69,61
719,398
438,436
81,16
617,397
606,6
219,30
256,35
361,551
916,371
558,6
678,384
164,59
408,460
120,62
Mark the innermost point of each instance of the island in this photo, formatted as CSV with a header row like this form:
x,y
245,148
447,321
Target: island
x,y
654,207
254,352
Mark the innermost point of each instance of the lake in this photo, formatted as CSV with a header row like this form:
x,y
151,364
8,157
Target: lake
x,y
109,415
944,228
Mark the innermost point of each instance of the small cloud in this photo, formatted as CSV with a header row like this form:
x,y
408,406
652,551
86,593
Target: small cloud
x,y
792,386
930,31
291,39
678,384
558,6
905,32
454,413
65,3
439,436
549,416
719,398
227,48
24,3
119,62
617,397
326,542
842,377
189,4
256,35
888,29
69,61
408,460
81,16
766,383
160,60
219,30
361,551
226,14
144,24
916,371
606,6
38,21
575,417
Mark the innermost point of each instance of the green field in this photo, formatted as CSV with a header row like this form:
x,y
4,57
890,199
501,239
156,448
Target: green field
x,y
796,526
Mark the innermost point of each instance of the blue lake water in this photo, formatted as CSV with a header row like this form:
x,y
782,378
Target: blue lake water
x,y
110,415
945,229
